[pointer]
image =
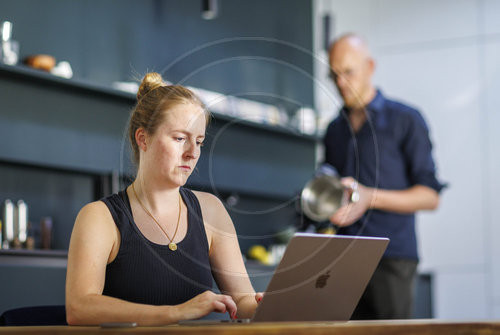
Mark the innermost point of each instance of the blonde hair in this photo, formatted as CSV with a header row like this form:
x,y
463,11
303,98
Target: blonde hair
x,y
154,99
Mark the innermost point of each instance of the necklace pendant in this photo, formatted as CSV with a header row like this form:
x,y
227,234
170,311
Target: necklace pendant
x,y
172,246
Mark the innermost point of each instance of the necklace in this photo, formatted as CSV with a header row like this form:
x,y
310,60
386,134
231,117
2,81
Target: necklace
x,y
172,246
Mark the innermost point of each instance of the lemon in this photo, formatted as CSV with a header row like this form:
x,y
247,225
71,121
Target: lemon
x,y
259,253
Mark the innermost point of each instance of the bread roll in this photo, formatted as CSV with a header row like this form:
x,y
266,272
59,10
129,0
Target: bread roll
x,y
41,62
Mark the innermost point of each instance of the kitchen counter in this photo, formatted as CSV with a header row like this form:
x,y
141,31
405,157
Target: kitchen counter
x,y
56,258
414,327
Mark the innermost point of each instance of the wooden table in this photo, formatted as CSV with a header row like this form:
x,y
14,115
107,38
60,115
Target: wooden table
x,y
407,327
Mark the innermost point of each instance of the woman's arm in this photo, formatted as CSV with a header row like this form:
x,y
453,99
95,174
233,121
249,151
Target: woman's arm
x,y
94,243
225,255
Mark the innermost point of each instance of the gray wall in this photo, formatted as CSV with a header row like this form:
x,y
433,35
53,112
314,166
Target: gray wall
x,y
442,56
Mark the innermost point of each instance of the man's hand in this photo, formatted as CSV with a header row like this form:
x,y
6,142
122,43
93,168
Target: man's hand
x,y
353,210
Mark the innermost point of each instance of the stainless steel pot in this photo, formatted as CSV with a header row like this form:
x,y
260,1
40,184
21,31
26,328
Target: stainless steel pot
x,y
322,196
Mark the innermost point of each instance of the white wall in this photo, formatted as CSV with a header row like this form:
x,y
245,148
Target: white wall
x,y
443,56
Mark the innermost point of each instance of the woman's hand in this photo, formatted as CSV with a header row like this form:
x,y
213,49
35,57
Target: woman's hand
x,y
259,296
205,303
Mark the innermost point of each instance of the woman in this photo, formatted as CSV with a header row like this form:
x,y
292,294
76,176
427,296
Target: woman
x,y
147,254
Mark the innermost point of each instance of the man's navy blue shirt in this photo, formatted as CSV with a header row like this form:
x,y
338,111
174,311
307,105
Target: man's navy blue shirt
x,y
392,150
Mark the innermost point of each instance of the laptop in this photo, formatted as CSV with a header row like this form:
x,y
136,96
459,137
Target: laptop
x,y
319,278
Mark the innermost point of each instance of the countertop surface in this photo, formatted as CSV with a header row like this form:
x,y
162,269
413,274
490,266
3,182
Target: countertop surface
x,y
413,327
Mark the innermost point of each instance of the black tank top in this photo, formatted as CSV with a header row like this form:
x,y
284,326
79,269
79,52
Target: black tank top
x,y
150,273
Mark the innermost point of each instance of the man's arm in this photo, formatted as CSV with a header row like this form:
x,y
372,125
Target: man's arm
x,y
410,200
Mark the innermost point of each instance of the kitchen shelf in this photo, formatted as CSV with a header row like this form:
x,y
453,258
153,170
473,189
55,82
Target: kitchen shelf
x,y
36,257
28,73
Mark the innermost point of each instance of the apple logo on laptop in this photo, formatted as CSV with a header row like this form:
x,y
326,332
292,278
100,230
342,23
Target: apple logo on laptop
x,y
321,281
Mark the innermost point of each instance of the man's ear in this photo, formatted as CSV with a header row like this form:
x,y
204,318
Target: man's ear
x,y
371,65
141,139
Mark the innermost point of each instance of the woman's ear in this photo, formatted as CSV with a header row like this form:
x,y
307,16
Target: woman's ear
x,y
141,139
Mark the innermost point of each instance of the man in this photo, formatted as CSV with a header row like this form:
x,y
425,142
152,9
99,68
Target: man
x,y
382,149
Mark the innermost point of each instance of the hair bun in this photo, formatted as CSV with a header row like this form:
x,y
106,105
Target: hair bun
x,y
150,81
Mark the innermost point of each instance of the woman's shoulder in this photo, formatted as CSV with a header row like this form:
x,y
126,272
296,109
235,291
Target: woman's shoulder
x,y
94,233
95,207
95,214
212,208
206,198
